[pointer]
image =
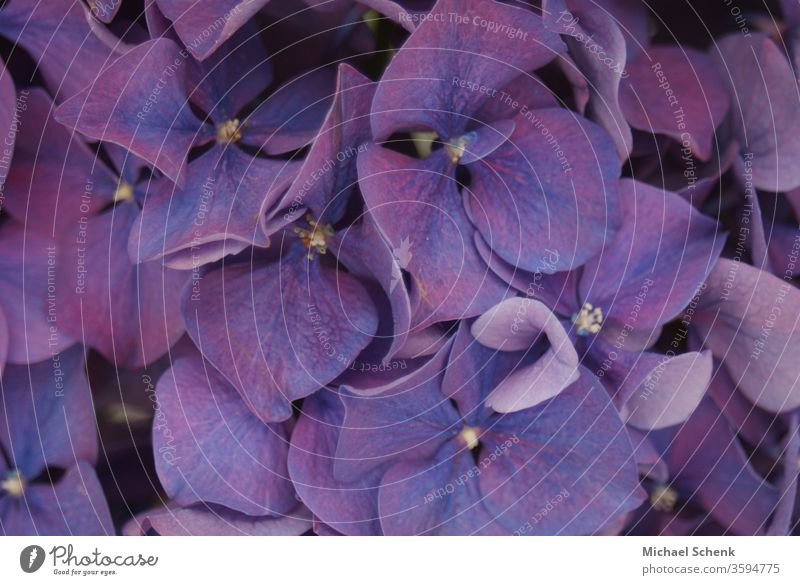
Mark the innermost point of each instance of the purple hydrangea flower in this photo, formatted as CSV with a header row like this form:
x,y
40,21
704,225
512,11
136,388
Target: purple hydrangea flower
x,y
615,307
493,119
280,325
57,35
47,447
144,101
440,462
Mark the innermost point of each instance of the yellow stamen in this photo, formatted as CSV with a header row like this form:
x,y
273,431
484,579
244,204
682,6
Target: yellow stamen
x,y
124,191
230,131
456,147
663,498
423,142
469,435
588,320
315,239
14,484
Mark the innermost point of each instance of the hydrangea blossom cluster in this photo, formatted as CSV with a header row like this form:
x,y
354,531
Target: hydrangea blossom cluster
x,y
367,267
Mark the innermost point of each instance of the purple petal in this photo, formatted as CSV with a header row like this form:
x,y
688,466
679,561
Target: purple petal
x,y
782,521
710,465
435,80
410,421
422,343
56,179
329,172
558,291
347,508
231,78
661,254
415,498
598,49
633,19
217,213
105,11
279,330
450,281
47,414
516,324
486,139
529,196
204,25
753,424
75,506
670,390
58,36
524,93
8,113
571,469
291,116
210,448
366,254
139,102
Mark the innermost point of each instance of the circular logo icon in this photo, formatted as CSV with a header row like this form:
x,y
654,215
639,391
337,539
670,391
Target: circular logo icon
x,y
31,558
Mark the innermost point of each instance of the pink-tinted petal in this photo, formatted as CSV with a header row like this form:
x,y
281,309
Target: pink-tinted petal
x,y
127,312
56,179
688,110
750,320
765,111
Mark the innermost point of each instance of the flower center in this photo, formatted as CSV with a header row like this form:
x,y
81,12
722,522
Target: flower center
x,y
456,147
314,239
230,131
14,484
588,320
124,191
469,436
663,498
